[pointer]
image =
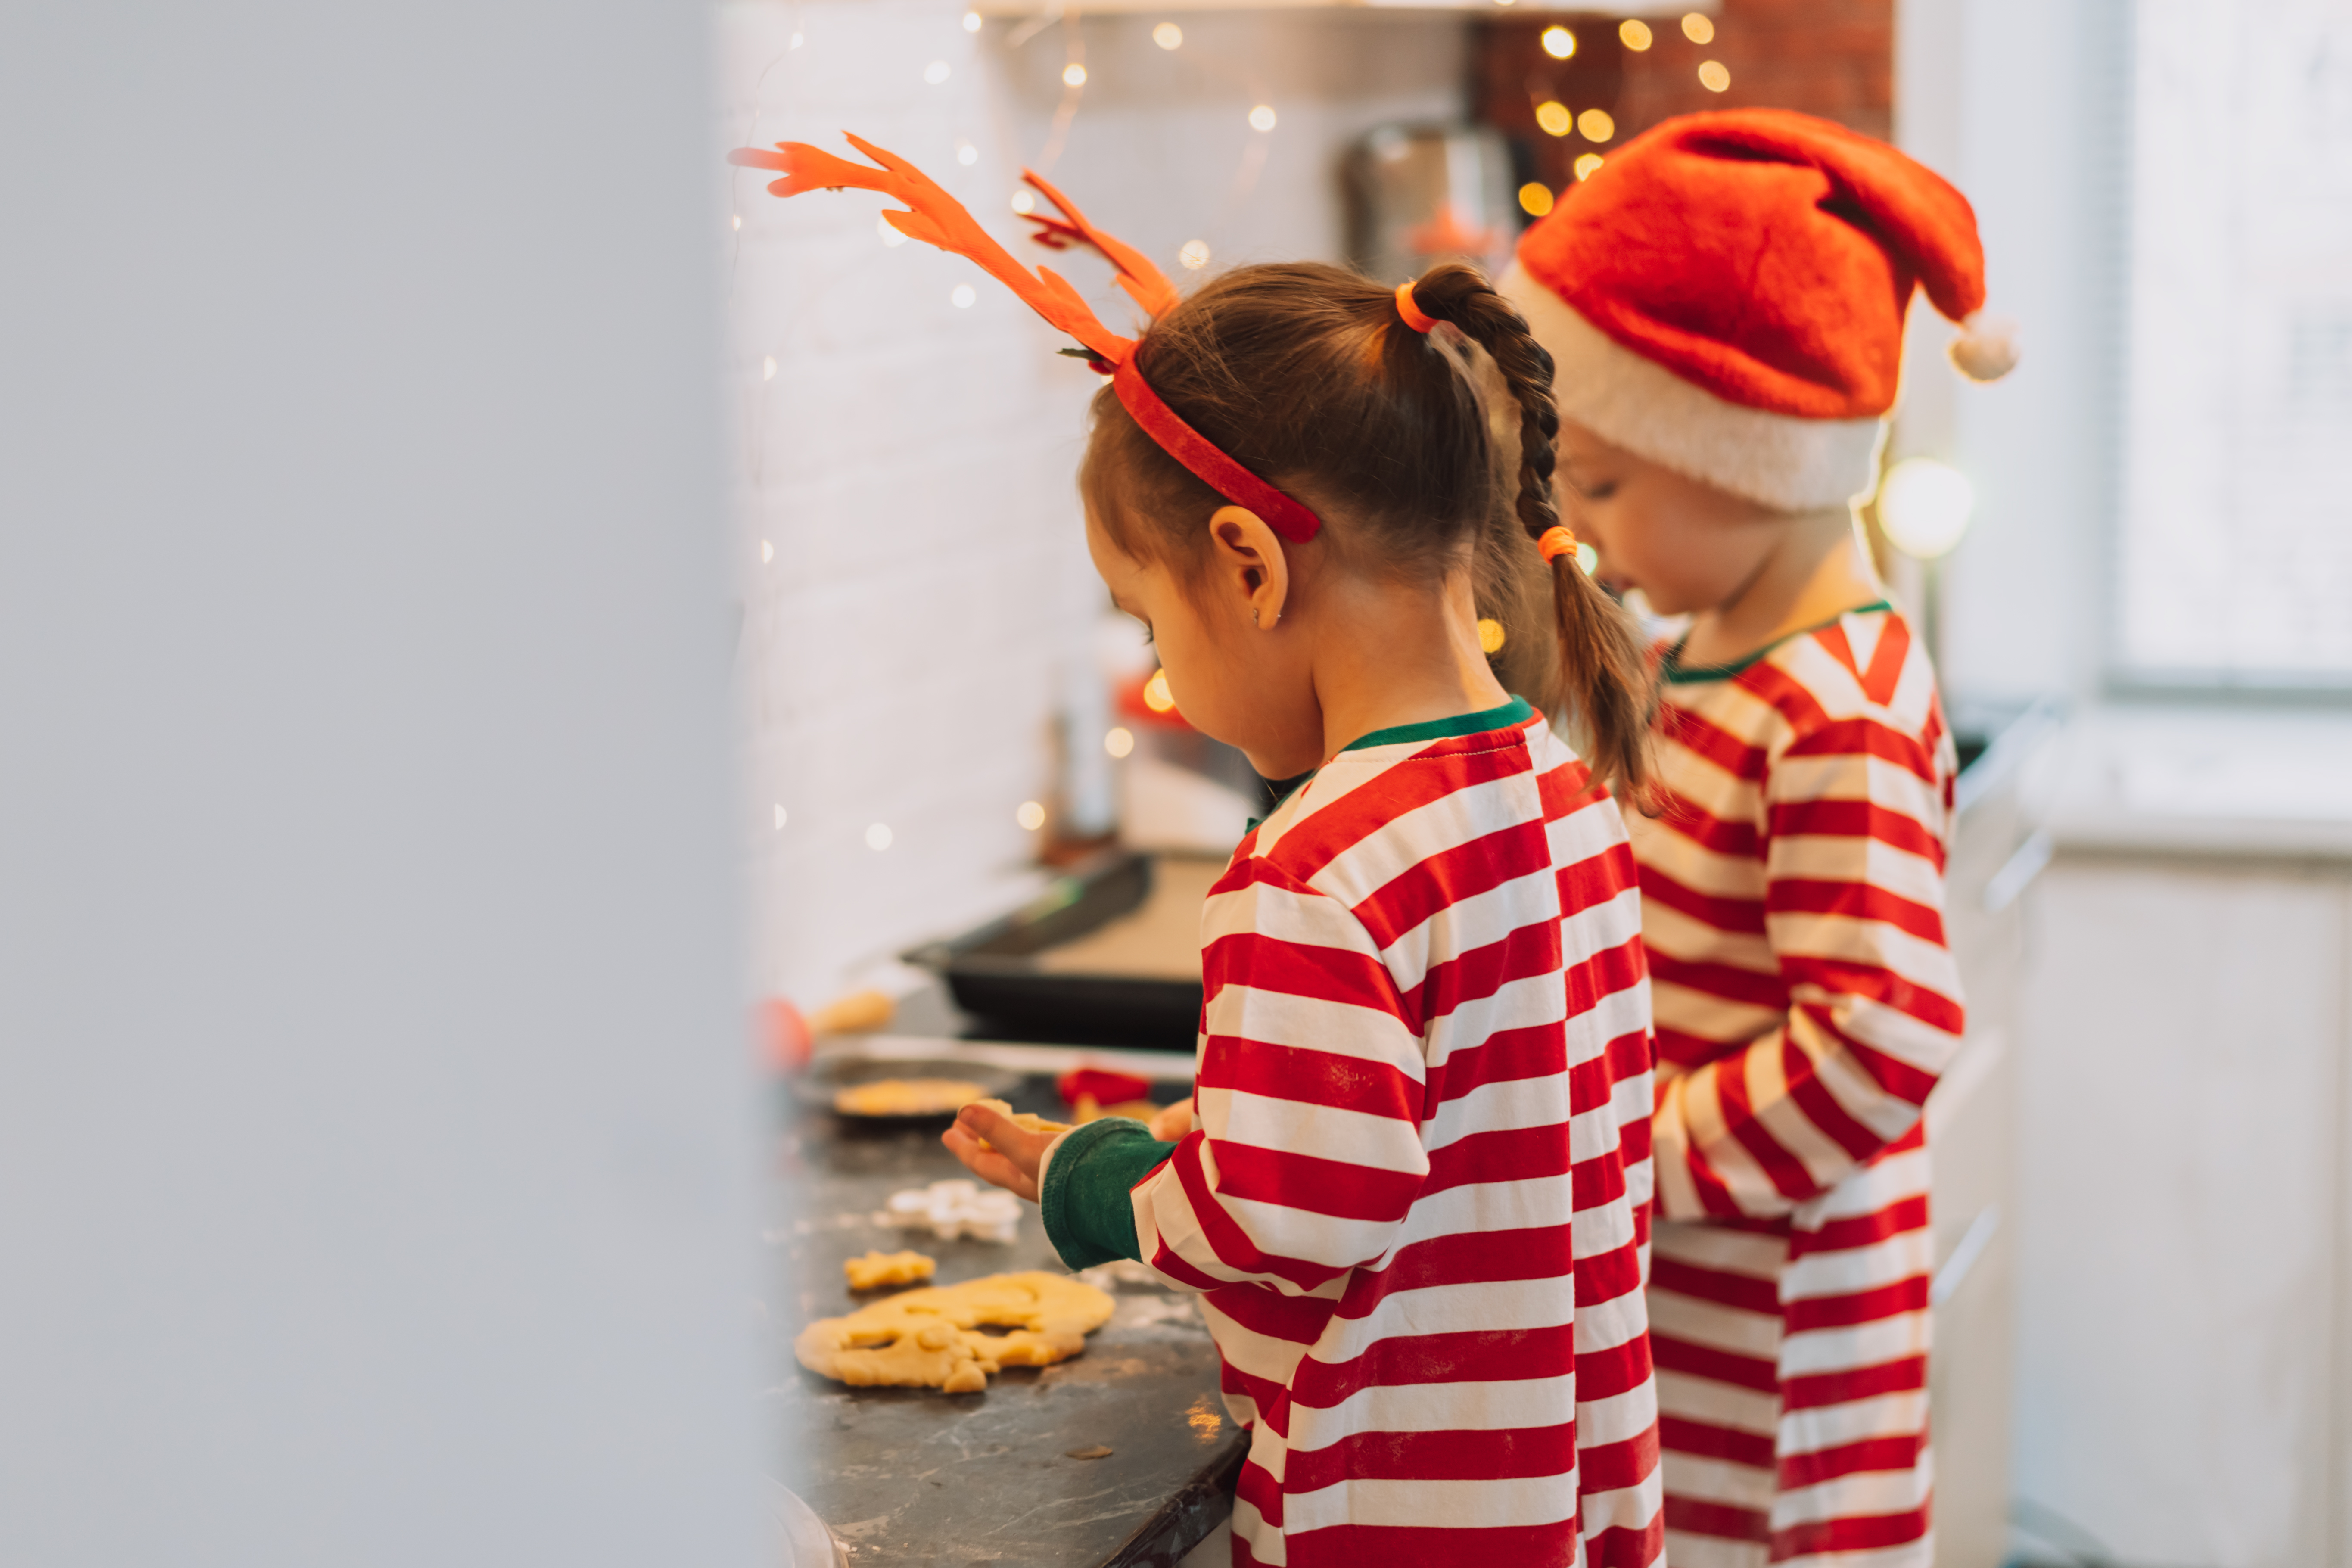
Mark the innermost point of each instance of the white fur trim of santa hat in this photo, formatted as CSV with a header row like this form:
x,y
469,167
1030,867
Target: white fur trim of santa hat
x,y
1779,461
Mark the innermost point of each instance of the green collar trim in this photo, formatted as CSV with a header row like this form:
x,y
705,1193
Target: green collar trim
x,y
1514,712
1675,673
1509,716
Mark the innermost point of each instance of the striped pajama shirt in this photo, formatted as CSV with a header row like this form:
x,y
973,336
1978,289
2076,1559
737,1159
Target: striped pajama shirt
x,y
1415,1198
1806,1000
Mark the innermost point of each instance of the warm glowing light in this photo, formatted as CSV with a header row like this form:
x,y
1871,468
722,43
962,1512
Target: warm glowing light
x,y
780,819
1490,637
963,296
936,72
1168,36
890,236
1023,202
1156,695
1262,117
1635,34
1554,117
1588,559
1536,198
1502,1
1558,43
967,154
1596,124
767,551
1074,75
1030,815
768,367
739,221
1194,255
1698,29
1713,76
1587,165
878,837
1119,742
971,21
1924,507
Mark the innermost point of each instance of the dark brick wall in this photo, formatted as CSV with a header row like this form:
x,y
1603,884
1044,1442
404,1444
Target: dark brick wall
x,y
1830,58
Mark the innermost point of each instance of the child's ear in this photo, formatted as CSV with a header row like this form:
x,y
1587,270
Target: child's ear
x,y
1247,566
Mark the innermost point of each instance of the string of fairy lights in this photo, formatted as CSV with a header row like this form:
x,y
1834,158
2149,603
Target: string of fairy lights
x,y
1593,124
1597,125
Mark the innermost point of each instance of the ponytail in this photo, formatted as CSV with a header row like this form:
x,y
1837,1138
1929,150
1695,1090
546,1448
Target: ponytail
x,y
1603,675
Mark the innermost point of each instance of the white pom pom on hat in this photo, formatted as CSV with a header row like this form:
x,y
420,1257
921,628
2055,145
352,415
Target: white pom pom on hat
x,y
1986,349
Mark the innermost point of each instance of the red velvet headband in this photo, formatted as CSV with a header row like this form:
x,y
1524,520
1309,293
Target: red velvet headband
x,y
937,218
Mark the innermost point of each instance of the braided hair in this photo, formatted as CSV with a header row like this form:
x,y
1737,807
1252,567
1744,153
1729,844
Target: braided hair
x,y
1306,374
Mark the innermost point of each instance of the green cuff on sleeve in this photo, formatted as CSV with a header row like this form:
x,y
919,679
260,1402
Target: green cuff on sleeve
x,y
1088,1216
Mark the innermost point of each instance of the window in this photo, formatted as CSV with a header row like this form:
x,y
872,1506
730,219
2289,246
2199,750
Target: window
x,y
2236,520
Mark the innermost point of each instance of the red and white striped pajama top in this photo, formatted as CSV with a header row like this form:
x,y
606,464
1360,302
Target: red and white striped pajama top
x,y
1415,1198
1792,908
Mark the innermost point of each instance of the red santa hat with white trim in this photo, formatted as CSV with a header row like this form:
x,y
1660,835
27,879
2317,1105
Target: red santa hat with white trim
x,y
1726,297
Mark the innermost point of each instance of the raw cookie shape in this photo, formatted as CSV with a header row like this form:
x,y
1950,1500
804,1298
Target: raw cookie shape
x,y
1027,1121
877,1269
931,1339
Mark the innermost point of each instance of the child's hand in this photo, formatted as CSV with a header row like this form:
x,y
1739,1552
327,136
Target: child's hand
x,y
1012,1163
1172,1123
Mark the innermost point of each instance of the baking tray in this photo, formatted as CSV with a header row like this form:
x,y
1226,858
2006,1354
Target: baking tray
x,y
1008,976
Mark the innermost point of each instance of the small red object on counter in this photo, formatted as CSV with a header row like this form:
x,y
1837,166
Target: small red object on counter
x,y
783,1034
1106,1088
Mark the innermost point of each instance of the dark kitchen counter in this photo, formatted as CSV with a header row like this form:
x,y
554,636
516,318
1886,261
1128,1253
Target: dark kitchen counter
x,y
910,1477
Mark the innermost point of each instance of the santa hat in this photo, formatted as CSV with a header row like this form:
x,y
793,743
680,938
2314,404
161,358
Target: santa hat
x,y
1726,296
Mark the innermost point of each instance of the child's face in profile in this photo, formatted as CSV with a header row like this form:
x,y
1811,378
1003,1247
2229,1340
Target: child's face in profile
x,y
1232,677
1688,547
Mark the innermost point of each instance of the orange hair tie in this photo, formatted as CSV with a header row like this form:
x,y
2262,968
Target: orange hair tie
x,y
1411,312
1555,542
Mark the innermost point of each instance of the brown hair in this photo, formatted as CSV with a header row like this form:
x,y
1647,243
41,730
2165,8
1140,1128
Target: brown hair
x,y
1306,374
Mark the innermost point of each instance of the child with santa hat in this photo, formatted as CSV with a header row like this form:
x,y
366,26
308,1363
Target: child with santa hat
x,y
1725,300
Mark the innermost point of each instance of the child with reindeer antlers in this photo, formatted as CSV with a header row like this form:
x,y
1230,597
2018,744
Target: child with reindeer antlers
x,y
1415,1205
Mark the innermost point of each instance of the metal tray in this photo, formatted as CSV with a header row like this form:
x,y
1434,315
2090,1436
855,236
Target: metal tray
x,y
993,971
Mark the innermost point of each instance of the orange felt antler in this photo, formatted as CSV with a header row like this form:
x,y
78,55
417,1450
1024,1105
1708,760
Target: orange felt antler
x,y
937,218
1145,283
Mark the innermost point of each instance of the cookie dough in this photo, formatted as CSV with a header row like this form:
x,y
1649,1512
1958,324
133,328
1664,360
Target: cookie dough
x,y
931,1338
877,1269
907,1097
1028,1120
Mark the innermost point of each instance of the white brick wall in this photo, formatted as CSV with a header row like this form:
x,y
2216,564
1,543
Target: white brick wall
x,y
927,618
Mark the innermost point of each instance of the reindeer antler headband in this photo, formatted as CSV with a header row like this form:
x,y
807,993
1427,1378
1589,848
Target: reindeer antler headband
x,y
937,218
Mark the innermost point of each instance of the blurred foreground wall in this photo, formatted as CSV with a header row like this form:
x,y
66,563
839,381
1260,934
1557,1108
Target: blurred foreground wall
x,y
376,1126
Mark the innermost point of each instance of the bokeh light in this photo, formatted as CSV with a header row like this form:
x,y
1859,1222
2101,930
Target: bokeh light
x,y
1596,124
963,296
1587,165
936,72
1030,815
1074,75
1535,198
1262,117
1490,635
878,837
1025,201
1194,254
1635,34
890,236
971,21
1168,36
1924,507
1156,695
1713,76
967,154
1698,29
1554,117
1558,43
1119,742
